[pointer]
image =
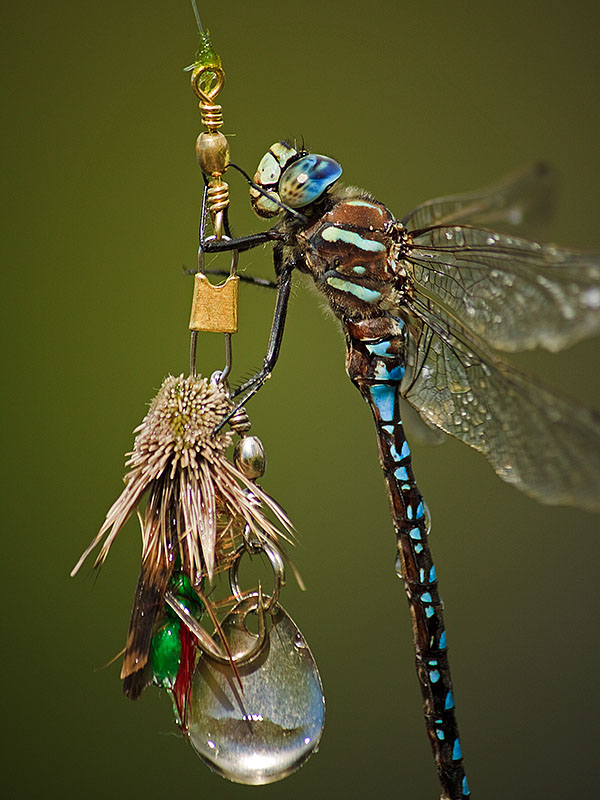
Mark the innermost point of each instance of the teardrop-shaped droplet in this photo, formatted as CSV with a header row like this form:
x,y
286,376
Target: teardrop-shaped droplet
x,y
268,730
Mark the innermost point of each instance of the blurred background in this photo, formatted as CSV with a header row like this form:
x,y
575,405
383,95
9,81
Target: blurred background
x,y
416,100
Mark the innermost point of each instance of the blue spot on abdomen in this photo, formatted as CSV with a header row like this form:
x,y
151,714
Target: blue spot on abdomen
x,y
384,398
456,751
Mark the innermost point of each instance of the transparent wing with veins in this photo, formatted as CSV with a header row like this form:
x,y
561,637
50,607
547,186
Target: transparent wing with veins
x,y
525,197
476,291
513,293
542,443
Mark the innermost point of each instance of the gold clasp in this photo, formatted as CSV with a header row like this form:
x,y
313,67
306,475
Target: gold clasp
x,y
215,308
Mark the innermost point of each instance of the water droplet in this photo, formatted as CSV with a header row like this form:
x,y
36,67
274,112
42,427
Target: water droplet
x,y
460,236
268,729
398,566
591,297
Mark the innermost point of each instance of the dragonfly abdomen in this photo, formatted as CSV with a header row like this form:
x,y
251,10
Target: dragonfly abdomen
x,y
375,364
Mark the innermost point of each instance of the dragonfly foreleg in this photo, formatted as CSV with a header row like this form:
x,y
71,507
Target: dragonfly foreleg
x,y
241,244
244,392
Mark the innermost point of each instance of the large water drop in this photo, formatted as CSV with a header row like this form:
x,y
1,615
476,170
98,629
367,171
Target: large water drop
x,y
267,729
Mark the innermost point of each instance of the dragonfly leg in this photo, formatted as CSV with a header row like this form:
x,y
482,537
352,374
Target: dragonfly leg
x,y
265,283
284,272
244,392
242,243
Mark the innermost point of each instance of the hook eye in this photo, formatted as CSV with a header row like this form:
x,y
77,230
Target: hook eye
x,y
277,565
216,78
253,643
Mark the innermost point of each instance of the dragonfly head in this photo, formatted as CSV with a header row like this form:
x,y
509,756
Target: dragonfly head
x,y
293,178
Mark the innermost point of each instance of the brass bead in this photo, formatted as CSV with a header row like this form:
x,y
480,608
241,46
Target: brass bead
x,y
249,457
212,152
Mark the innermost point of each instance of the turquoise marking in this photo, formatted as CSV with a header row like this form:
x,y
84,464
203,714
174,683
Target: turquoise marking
x,y
434,677
359,270
397,373
405,452
380,349
429,611
456,751
332,234
405,486
418,549
465,787
440,735
382,373
401,474
415,533
420,511
409,513
449,702
394,452
364,294
426,598
432,575
433,662
388,428
362,204
384,398
443,644
422,575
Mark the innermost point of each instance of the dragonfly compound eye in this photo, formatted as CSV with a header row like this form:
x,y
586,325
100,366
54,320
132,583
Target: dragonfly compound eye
x,y
307,179
267,177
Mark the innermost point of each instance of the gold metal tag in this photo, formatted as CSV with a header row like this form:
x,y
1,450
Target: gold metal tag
x,y
215,308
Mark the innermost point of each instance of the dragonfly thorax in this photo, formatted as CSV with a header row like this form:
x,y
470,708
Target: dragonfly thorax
x,y
293,178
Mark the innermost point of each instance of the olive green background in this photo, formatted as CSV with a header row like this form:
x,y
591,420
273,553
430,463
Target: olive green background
x,y
415,100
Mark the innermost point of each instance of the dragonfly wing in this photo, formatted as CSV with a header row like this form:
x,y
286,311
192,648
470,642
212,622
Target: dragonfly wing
x,y
540,442
418,429
513,293
526,196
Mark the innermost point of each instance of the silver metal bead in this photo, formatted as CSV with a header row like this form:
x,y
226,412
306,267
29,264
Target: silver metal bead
x,y
249,457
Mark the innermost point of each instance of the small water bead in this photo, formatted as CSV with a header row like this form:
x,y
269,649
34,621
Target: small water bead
x,y
459,236
591,298
515,216
398,566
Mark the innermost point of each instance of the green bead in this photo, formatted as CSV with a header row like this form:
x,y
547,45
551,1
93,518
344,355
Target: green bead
x,y
165,655
181,586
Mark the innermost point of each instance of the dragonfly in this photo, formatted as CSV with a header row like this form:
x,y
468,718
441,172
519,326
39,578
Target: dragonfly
x,y
427,303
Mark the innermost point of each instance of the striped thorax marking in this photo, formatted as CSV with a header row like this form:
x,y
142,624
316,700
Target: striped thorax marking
x,y
331,233
361,292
